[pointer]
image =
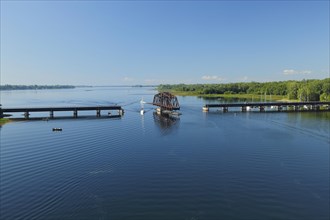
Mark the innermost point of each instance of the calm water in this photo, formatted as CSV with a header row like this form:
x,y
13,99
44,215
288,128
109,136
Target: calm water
x,y
202,166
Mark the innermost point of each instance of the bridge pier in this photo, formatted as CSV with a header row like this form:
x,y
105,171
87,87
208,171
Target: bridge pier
x,y
243,108
279,108
51,114
98,113
316,107
75,114
26,115
159,110
225,109
121,112
262,108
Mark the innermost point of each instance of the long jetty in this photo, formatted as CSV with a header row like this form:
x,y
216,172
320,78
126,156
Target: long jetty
x,y
279,106
26,111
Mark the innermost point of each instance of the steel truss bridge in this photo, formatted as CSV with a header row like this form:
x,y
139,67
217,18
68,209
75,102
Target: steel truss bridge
x,y
166,101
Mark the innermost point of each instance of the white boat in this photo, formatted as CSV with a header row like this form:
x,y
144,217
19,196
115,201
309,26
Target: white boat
x,y
142,102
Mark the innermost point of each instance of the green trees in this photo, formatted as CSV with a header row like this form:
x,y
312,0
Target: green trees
x,y
292,90
325,96
305,90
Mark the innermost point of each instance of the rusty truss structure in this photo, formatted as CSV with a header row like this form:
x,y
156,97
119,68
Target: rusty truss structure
x,y
166,101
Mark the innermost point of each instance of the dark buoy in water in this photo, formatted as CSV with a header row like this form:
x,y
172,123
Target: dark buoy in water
x,y
57,129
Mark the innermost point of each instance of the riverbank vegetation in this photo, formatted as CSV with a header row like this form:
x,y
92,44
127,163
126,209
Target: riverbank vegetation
x,y
34,87
304,90
4,121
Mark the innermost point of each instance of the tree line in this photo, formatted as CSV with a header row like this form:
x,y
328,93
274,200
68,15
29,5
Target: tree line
x,y
33,87
304,90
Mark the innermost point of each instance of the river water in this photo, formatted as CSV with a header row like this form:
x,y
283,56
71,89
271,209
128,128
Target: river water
x,y
201,166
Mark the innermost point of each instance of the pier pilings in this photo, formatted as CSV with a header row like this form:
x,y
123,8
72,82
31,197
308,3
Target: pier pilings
x,y
51,114
281,106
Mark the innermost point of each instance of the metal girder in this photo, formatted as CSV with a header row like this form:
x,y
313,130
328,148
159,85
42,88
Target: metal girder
x,y
167,101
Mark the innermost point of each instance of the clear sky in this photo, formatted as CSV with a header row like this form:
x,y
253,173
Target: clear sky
x,y
149,42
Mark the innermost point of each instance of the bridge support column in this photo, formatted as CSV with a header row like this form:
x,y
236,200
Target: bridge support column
x,y
279,108
26,115
75,114
98,113
225,109
262,108
51,114
296,108
121,112
316,108
243,108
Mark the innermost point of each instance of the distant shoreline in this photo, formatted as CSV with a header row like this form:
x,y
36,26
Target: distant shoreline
x,y
35,87
43,87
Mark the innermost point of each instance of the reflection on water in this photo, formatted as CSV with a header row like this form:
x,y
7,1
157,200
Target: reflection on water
x,y
166,123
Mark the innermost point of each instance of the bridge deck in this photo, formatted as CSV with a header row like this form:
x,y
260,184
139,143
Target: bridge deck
x,y
297,106
265,104
51,110
46,109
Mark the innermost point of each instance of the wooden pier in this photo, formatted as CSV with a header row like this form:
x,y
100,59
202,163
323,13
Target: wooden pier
x,y
278,106
26,111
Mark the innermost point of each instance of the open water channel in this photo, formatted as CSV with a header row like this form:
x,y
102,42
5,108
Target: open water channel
x,y
201,166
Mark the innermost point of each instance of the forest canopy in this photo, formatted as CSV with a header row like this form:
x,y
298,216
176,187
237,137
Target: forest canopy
x,y
305,90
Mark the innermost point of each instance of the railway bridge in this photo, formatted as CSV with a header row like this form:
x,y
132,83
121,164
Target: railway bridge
x,y
166,102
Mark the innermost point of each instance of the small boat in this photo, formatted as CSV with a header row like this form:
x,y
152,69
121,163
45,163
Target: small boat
x,y
142,102
57,129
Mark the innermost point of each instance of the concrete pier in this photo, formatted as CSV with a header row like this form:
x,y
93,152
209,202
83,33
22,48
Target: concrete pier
x,y
75,113
51,114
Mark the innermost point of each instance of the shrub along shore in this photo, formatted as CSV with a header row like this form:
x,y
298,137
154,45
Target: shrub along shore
x,y
4,121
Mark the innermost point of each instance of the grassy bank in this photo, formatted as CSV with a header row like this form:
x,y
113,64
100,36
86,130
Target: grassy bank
x,y
4,121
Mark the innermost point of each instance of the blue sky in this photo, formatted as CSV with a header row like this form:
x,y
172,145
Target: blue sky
x,y
149,42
